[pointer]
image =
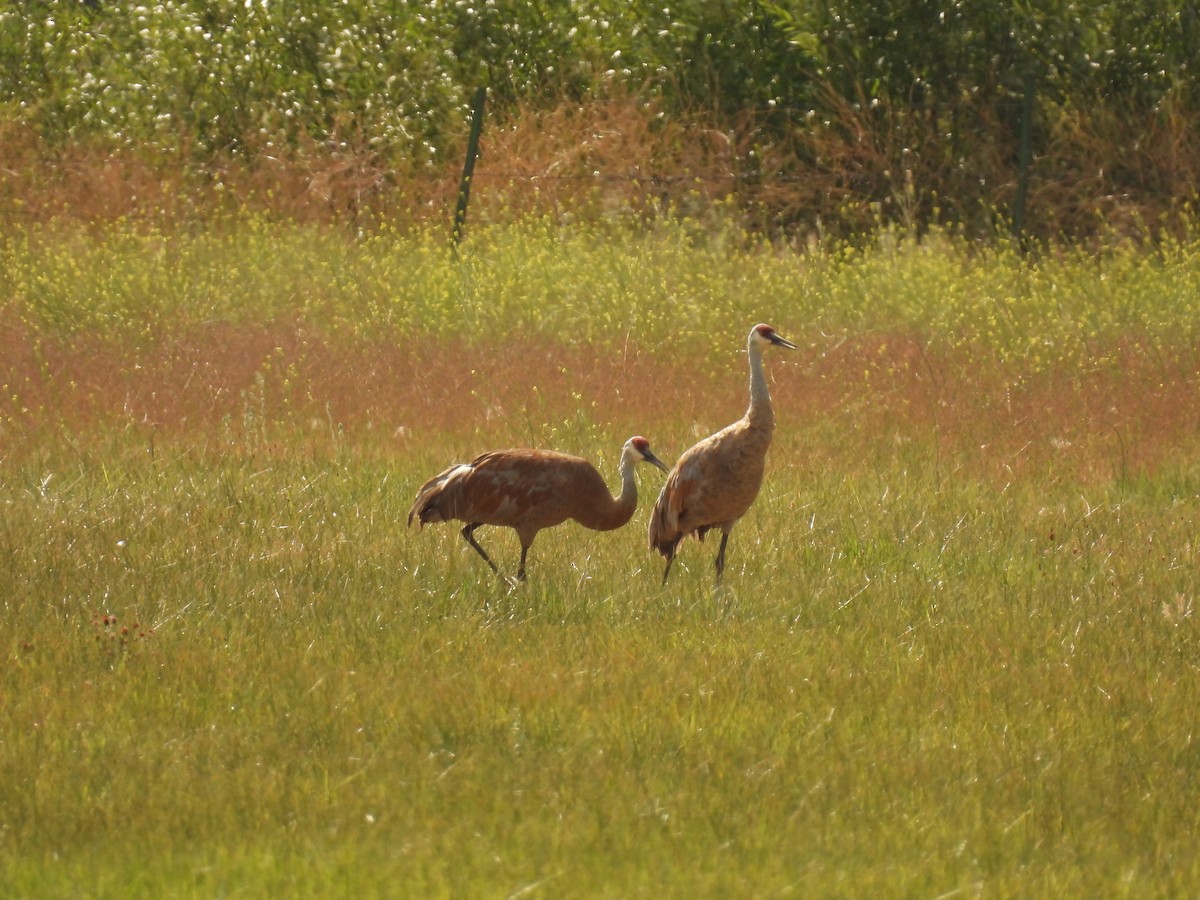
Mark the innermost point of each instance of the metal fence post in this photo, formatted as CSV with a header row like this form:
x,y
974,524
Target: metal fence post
x,y
464,186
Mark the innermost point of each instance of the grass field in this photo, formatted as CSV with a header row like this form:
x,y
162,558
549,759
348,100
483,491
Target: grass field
x,y
955,655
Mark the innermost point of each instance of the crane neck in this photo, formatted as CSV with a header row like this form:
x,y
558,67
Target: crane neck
x,y
605,512
627,499
760,414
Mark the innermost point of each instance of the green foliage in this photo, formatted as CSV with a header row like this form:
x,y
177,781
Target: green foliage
x,y
241,76
830,116
947,52
230,76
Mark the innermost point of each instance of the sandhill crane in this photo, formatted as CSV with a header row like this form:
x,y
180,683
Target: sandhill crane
x,y
714,482
528,490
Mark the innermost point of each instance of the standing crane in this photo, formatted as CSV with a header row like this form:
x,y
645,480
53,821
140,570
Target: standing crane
x,y
716,480
528,490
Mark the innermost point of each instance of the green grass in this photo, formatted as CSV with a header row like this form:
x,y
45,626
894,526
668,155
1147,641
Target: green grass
x,y
914,692
956,650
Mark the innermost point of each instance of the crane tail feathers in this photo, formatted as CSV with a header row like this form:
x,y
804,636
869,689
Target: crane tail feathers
x,y
664,531
667,530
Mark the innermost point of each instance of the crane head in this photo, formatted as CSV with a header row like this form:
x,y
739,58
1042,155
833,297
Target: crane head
x,y
640,448
766,335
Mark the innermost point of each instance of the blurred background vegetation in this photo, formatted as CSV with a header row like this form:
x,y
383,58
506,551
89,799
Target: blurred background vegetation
x,y
803,118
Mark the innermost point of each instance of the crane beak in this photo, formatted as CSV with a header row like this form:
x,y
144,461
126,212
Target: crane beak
x,y
649,457
780,341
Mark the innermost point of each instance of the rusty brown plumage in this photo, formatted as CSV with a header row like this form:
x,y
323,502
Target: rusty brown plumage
x,y
528,490
714,483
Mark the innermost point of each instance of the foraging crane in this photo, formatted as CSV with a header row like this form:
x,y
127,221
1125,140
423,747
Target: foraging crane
x,y
528,490
714,482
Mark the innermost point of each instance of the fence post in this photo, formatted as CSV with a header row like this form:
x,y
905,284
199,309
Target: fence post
x,y
464,186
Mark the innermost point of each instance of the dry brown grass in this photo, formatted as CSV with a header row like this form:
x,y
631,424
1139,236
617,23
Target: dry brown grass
x,y
863,402
338,181
848,169
1129,414
1111,171
620,155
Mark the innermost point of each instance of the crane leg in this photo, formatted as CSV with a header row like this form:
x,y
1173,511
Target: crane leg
x,y
521,567
721,555
667,570
468,534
